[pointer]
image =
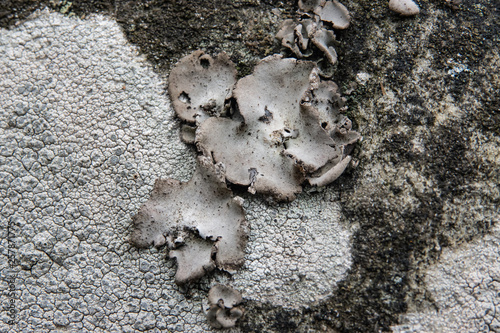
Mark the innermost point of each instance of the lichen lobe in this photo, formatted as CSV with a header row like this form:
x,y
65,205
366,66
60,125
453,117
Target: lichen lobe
x,y
224,310
199,85
289,128
200,221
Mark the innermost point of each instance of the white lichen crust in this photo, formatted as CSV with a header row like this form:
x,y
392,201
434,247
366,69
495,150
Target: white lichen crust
x,y
85,130
300,250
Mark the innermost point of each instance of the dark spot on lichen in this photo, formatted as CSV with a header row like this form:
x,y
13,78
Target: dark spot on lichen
x,y
184,98
267,117
204,63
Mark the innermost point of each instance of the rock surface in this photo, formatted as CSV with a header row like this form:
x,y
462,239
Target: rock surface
x,y
424,92
86,129
464,292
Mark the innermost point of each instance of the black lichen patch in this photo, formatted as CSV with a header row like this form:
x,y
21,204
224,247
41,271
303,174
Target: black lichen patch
x,y
166,31
267,318
13,11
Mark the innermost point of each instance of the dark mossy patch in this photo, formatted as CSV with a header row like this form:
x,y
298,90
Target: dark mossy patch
x,y
449,162
486,116
400,147
14,11
267,318
466,34
166,31
376,290
402,227
463,35
489,119
396,241
82,8
283,322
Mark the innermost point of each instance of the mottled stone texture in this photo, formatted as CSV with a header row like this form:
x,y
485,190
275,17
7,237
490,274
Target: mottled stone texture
x,y
167,30
86,129
425,93
465,292
79,109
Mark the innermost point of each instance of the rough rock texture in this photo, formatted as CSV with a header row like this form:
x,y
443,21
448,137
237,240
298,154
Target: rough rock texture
x,y
424,92
465,292
85,130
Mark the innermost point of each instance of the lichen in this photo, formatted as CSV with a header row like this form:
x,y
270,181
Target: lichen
x,y
200,221
281,126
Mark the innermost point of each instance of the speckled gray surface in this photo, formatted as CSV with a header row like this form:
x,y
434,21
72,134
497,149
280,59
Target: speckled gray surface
x,y
465,285
86,128
295,250
416,212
